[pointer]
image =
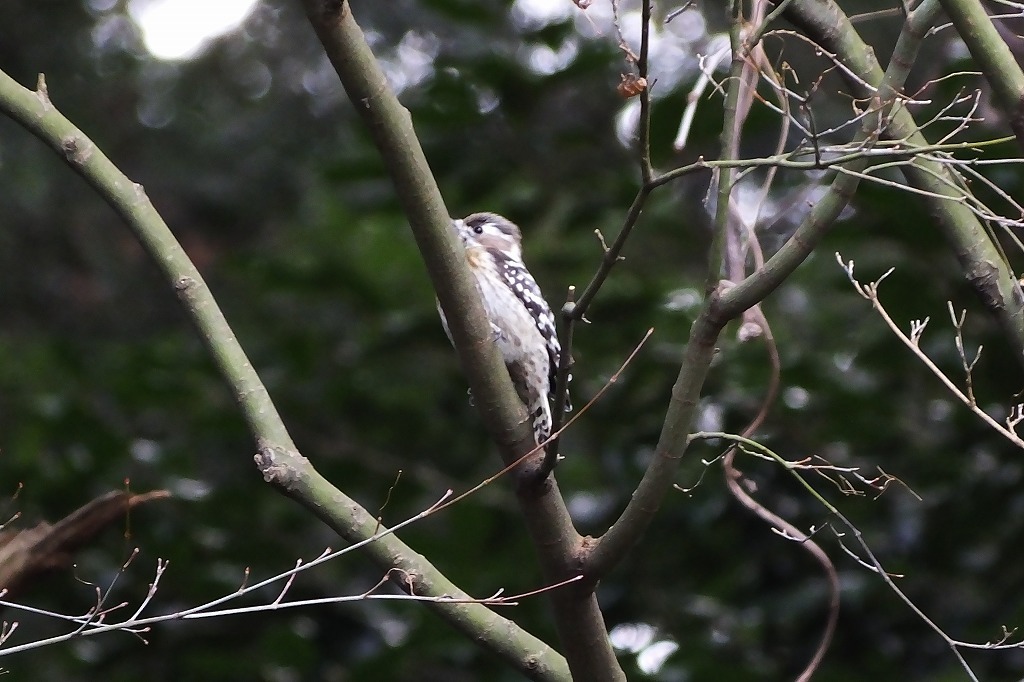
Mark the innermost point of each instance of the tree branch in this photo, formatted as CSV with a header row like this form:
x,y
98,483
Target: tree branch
x,y
727,302
577,615
737,92
25,553
979,256
994,56
278,459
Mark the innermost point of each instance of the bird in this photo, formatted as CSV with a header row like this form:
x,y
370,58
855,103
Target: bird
x,y
522,323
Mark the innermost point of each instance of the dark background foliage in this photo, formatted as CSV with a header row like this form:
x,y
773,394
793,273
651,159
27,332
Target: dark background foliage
x,y
255,159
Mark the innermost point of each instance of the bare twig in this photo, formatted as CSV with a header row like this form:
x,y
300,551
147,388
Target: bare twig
x,y
912,341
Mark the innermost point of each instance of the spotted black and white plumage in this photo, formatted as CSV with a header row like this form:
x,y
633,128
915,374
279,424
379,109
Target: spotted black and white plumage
x,y
523,325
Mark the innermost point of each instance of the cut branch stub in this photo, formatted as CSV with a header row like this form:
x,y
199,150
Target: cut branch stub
x,y
27,553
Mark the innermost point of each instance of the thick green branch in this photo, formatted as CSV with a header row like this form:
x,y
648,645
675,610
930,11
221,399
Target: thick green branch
x,y
657,480
580,624
278,459
979,256
993,55
36,113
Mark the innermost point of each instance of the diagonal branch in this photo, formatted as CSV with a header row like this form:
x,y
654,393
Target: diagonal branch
x,y
278,459
979,256
577,615
989,49
392,131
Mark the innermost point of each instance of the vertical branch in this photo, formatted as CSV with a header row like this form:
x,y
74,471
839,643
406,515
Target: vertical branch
x,y
562,402
646,170
730,141
575,311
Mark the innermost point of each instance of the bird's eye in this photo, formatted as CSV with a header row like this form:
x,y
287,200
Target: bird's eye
x,y
479,229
